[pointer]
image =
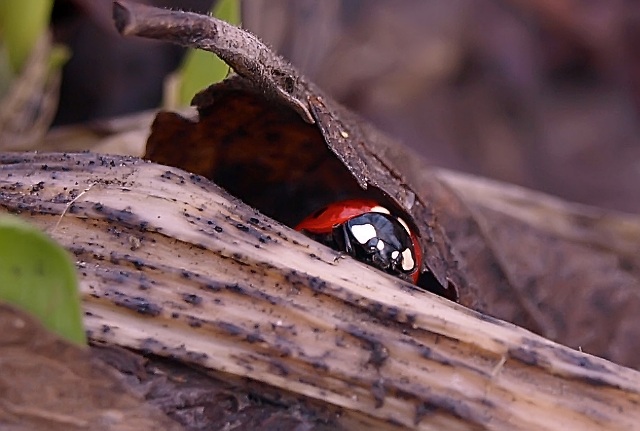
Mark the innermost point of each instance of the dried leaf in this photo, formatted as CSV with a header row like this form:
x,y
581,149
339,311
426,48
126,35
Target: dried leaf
x,y
515,271
47,383
354,143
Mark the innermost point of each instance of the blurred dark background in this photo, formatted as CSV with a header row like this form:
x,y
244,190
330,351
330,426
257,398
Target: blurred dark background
x,y
541,93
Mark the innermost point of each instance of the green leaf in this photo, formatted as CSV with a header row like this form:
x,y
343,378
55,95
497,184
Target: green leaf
x,y
21,24
201,68
37,275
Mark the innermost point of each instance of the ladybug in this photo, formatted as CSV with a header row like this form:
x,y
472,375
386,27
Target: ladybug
x,y
369,232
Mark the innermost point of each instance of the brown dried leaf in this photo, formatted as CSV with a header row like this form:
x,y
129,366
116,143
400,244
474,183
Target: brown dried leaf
x,y
352,141
573,270
523,273
48,383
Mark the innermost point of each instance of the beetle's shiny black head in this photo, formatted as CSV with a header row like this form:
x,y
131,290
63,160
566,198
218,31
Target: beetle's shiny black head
x,y
378,239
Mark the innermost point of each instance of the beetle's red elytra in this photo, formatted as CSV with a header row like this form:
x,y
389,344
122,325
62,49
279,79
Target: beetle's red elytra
x,y
369,232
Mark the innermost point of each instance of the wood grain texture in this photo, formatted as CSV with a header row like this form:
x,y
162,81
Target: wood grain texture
x,y
172,265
